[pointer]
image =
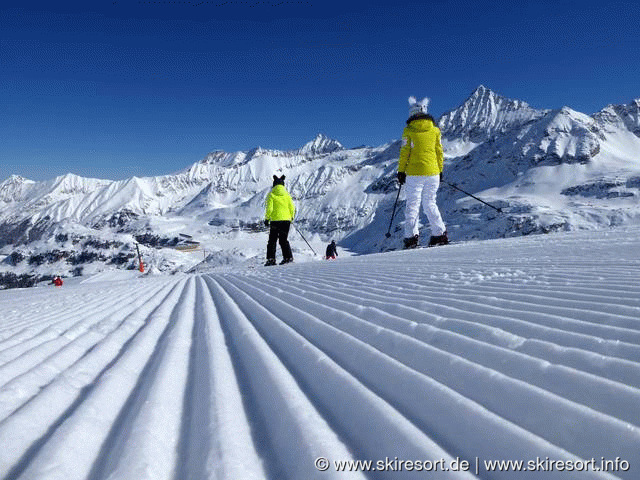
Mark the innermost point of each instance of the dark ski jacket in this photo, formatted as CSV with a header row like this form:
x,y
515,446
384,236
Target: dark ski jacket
x,y
332,251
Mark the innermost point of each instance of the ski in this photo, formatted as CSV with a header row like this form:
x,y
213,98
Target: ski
x,y
417,247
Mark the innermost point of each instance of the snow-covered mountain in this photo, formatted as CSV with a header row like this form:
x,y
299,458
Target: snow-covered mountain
x,y
485,114
546,169
552,169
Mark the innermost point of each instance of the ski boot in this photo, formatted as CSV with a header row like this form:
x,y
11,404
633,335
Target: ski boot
x,y
436,240
411,242
286,260
270,262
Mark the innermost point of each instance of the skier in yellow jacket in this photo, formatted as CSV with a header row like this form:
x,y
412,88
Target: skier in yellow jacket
x,y
420,167
279,215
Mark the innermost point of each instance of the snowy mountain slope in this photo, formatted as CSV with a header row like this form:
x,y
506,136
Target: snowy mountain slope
x,y
223,179
14,188
514,349
485,114
627,116
540,166
547,170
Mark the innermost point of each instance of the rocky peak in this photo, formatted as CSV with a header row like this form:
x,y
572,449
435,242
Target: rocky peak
x,y
12,188
321,144
621,116
484,114
223,159
630,115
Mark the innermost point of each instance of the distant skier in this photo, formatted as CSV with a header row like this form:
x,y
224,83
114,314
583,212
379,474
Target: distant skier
x,y
420,167
279,215
332,251
57,281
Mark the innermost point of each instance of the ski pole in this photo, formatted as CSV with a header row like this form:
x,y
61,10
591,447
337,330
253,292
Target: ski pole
x,y
305,240
393,214
473,196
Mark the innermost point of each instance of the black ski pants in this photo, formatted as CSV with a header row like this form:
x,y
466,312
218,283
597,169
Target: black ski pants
x,y
279,232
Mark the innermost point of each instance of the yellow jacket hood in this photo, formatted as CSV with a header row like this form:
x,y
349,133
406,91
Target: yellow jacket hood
x,y
421,125
279,205
421,151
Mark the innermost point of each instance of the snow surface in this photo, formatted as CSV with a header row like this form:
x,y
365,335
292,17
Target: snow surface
x,y
490,350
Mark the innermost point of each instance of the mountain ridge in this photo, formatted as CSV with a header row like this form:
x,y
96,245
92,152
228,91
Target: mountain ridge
x,y
486,113
500,149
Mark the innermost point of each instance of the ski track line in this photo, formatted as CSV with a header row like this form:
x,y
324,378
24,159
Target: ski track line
x,y
26,385
526,321
143,441
600,434
509,282
58,337
580,357
85,400
288,373
520,328
39,324
600,393
549,300
479,275
31,335
610,292
290,432
216,438
30,309
194,443
604,310
591,314
32,306
420,399
515,292
560,290
62,305
503,319
581,320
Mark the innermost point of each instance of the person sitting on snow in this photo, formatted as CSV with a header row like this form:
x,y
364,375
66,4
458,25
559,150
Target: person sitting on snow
x,y
279,215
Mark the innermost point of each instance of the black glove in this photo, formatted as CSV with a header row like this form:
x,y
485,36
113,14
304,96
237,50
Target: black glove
x,y
402,177
441,180
266,222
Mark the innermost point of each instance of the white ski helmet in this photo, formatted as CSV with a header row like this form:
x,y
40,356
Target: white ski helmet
x,y
417,108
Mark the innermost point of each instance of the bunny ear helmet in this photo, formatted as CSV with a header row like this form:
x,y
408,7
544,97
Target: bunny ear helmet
x,y
418,108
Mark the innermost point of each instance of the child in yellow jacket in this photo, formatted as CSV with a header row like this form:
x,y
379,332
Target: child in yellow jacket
x,y
279,214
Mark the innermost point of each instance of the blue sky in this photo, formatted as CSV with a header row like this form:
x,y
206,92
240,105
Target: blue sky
x,y
111,89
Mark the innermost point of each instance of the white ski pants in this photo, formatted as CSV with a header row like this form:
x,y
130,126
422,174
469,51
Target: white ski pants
x,y
422,188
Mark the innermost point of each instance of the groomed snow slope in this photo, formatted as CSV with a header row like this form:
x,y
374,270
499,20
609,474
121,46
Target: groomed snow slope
x,y
509,349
